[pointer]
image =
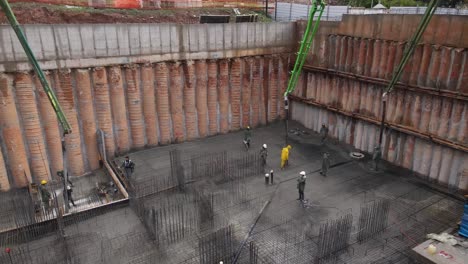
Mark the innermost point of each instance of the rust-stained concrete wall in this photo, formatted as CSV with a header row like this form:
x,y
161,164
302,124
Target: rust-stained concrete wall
x,y
427,113
142,84
136,105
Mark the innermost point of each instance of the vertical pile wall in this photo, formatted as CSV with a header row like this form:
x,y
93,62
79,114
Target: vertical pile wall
x,y
14,147
87,117
135,105
426,114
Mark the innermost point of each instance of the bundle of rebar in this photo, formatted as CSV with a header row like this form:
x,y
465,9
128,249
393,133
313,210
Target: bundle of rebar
x,y
333,237
217,246
373,219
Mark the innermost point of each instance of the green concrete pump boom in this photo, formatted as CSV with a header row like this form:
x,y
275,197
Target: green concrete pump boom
x,y
306,43
66,128
430,10
37,69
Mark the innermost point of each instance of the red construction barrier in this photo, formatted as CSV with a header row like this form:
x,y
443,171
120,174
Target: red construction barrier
x,y
127,4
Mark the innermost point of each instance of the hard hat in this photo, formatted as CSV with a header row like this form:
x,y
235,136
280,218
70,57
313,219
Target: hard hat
x,y
264,145
289,147
302,173
248,127
68,187
221,262
271,171
43,182
267,175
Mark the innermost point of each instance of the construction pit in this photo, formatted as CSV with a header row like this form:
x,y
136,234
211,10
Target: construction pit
x,y
205,214
176,98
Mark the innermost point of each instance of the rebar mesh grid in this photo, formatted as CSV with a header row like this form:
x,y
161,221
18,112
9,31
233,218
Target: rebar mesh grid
x,y
373,219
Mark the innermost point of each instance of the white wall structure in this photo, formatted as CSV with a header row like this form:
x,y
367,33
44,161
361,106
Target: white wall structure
x,y
92,45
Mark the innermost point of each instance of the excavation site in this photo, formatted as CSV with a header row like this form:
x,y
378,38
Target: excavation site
x,y
233,132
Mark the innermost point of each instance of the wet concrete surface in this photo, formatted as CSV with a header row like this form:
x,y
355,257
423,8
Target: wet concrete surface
x,y
287,230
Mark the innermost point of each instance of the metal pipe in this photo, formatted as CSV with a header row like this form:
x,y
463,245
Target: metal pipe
x,y
276,9
407,54
382,123
106,163
37,69
433,138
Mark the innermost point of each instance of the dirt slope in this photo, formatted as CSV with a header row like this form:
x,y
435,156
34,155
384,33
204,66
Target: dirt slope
x,y
27,13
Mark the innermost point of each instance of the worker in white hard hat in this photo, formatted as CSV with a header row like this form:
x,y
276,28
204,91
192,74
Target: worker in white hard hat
x,y
69,195
264,155
267,178
301,181
247,136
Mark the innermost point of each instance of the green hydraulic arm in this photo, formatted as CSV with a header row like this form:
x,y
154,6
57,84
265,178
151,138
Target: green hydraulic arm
x,y
431,8
66,129
306,43
37,69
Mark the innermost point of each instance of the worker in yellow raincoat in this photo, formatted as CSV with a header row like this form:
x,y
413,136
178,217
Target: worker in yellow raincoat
x,y
285,156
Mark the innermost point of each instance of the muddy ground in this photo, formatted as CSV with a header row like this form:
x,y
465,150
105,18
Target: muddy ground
x,y
29,13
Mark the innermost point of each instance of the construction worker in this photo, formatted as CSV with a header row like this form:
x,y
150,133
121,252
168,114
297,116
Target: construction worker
x,y
69,195
285,156
376,156
301,185
325,164
61,175
128,167
45,194
247,136
271,177
264,155
267,178
323,134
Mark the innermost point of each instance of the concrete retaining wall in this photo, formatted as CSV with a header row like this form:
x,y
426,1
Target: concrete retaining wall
x,y
74,46
434,162
349,67
136,105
